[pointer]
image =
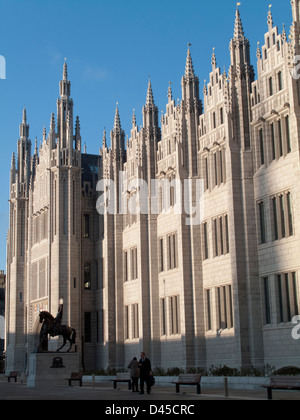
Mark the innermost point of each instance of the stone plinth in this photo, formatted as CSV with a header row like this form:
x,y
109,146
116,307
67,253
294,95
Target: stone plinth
x,y
43,371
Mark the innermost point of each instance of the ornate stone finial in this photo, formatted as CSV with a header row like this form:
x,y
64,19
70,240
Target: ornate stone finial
x,y
238,27
258,52
189,68
214,60
170,95
270,17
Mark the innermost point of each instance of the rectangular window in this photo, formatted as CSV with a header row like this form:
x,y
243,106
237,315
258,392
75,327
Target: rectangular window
x,y
282,216
273,142
290,214
135,320
275,218
174,315
216,169
221,116
134,264
126,322
262,148
206,174
270,86
280,139
267,300
215,234
279,81
205,240
161,255
87,327
87,276
126,267
173,251
288,135
224,294
86,225
287,297
163,317
208,305
262,223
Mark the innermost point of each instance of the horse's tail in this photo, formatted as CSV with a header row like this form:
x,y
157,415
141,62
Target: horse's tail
x,y
73,339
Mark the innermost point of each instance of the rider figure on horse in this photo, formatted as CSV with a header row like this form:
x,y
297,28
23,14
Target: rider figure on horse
x,y
58,318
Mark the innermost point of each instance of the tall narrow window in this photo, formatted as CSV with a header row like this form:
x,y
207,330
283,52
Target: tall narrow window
x,y
275,218
125,266
206,174
208,303
288,135
280,139
271,86
287,296
205,240
174,315
135,320
163,316
227,234
221,116
290,214
279,81
87,276
273,142
262,148
262,223
87,327
267,300
216,168
161,256
215,234
86,225
282,216
126,322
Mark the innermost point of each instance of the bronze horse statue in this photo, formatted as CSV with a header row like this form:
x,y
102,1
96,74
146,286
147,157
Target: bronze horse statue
x,y
52,327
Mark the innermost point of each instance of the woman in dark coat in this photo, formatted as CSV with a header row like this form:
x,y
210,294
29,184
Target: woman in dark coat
x,y
134,374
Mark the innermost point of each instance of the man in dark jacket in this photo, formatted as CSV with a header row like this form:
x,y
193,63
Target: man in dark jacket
x,y
145,370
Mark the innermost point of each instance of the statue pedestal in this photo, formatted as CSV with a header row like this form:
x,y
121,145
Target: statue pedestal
x,y
46,369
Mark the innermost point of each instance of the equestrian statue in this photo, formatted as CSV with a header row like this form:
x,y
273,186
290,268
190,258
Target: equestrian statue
x,y
52,326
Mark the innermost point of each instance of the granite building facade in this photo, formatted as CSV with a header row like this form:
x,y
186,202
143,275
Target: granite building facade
x,y
223,291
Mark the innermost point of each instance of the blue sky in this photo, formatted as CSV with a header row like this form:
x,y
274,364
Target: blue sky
x,y
111,48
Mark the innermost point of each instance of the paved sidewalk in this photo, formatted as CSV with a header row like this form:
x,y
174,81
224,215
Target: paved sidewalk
x,y
105,392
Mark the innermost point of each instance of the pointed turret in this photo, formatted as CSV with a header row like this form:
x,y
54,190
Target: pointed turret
x,y
150,99
214,60
238,27
270,18
24,127
117,135
241,76
65,84
117,122
150,110
170,95
189,68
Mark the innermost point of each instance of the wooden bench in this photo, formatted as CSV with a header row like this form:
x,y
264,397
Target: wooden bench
x,y
75,376
282,383
123,378
190,379
12,375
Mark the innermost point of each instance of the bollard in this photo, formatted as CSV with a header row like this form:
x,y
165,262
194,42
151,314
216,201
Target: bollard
x,y
226,391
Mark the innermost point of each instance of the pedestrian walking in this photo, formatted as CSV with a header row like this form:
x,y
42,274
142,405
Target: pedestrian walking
x,y
134,374
145,372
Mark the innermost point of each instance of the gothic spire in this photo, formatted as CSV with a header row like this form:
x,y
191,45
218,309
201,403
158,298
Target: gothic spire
x,y
65,71
238,28
270,18
189,68
117,123
24,119
170,95
214,60
150,98
133,119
